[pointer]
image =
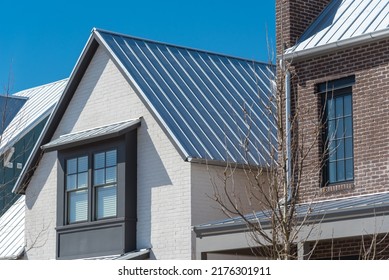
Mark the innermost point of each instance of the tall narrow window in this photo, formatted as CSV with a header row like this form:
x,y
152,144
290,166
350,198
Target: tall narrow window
x,y
339,164
76,182
105,183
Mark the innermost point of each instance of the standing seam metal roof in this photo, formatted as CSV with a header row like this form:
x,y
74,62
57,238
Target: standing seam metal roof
x,y
39,104
326,208
12,231
342,21
210,103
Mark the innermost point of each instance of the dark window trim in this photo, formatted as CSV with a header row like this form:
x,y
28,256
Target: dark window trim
x,y
90,150
112,235
329,90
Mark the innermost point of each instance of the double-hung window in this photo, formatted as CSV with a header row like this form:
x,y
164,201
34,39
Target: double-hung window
x,y
96,190
338,134
84,183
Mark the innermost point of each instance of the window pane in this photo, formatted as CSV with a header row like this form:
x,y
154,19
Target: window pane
x,y
332,172
71,166
99,177
349,169
332,150
99,160
82,164
340,149
78,206
331,129
340,171
349,147
111,158
71,182
330,109
339,128
347,105
82,180
110,175
106,202
339,107
348,127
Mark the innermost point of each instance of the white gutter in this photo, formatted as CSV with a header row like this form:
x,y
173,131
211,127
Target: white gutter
x,y
296,55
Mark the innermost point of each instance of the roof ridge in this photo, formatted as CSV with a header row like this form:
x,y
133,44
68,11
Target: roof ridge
x,y
40,86
180,46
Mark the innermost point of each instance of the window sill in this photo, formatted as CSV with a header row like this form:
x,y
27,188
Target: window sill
x,y
337,188
94,224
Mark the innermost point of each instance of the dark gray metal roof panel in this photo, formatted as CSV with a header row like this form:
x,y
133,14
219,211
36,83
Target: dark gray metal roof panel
x,y
92,134
323,209
209,102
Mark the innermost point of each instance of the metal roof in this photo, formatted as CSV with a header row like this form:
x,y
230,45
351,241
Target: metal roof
x,y
344,22
142,254
9,107
12,231
322,211
214,107
39,104
94,134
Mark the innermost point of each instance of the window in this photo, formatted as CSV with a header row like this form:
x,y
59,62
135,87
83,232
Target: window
x,y
338,135
104,179
105,183
96,191
76,182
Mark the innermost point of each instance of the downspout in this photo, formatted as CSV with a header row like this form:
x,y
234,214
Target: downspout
x,y
288,135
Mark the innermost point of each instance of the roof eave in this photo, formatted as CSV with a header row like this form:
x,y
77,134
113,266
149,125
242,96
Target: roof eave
x,y
330,216
320,50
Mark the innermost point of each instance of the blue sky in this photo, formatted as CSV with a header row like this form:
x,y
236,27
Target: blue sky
x,y
40,41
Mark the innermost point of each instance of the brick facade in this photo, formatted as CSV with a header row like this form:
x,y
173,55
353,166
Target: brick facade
x,y
370,65
352,248
293,17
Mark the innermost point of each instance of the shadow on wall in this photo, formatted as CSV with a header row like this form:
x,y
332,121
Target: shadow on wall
x,y
40,179
152,174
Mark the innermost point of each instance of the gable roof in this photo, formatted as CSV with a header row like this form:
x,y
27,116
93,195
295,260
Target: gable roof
x,y
201,97
38,104
213,107
343,23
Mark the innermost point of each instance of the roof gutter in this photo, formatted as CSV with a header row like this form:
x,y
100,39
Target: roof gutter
x,y
372,36
317,218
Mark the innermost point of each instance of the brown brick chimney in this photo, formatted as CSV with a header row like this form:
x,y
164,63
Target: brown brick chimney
x,y
293,17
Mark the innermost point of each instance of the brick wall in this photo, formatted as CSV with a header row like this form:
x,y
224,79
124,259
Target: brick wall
x,y
370,65
354,248
293,17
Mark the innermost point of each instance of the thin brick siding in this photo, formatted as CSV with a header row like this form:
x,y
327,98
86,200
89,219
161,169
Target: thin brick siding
x,y
293,17
370,65
365,247
41,209
164,203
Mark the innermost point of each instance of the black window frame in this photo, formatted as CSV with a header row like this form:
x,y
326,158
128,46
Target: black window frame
x,y
332,90
111,235
91,187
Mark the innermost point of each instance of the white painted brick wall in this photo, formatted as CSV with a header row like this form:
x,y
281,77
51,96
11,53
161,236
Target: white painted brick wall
x,y
164,202
41,196
204,180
